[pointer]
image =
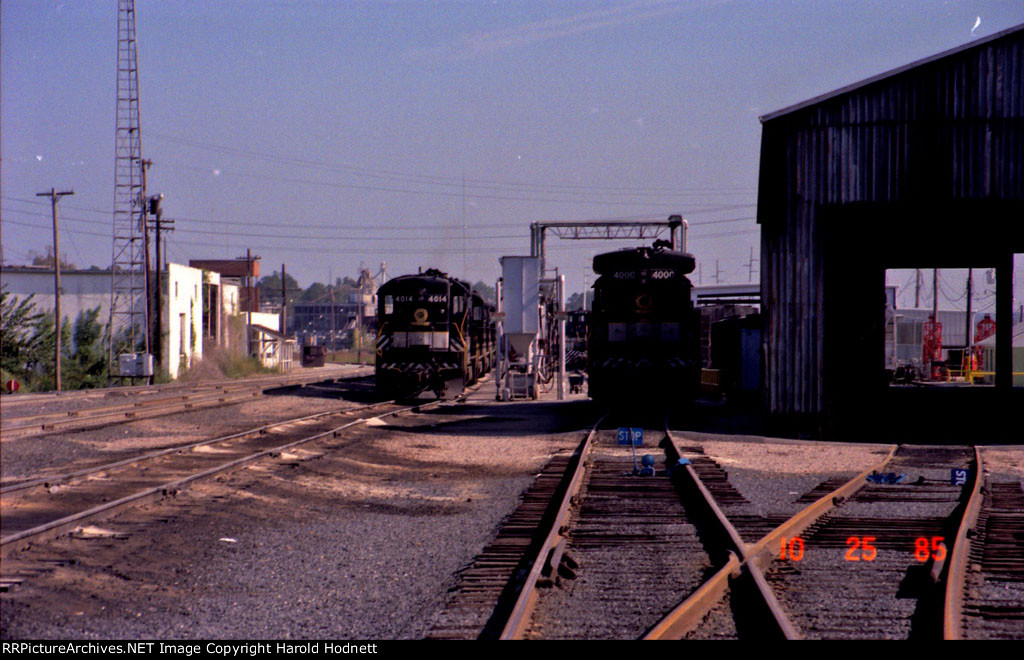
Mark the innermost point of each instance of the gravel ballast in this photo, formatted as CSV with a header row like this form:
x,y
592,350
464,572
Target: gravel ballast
x,y
27,457
356,543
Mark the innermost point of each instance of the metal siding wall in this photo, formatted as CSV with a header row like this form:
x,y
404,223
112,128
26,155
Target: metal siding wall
x,y
952,128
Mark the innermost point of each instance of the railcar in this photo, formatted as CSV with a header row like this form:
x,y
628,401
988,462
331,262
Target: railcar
x,y
434,333
644,341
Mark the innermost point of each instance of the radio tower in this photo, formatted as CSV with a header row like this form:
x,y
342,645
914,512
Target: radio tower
x,y
128,289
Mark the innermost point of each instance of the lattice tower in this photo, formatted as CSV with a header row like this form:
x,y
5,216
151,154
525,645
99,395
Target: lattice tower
x,y
128,289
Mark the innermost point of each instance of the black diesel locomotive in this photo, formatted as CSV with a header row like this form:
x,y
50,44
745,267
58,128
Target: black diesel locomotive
x,y
644,332
434,333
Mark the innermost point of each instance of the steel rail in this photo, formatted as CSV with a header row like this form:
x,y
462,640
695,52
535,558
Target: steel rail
x,y
753,558
768,547
687,615
519,618
782,623
147,399
141,409
14,401
56,528
259,430
99,417
952,610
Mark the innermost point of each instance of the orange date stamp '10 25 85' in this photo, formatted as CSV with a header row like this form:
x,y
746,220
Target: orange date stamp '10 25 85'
x,y
862,548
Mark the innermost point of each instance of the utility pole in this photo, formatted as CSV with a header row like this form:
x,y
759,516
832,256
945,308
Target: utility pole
x,y
333,314
935,294
144,224
967,321
54,196
248,300
464,224
284,302
359,316
917,288
159,225
585,287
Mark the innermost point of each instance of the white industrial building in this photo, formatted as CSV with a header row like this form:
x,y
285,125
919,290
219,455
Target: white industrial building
x,y
82,290
183,318
988,347
195,305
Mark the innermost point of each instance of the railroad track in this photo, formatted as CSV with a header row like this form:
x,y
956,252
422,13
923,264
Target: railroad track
x,y
863,559
149,403
867,560
873,568
313,374
40,509
985,594
590,512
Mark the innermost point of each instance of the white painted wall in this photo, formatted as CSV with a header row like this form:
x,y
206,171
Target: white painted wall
x,y
267,320
184,317
81,290
229,298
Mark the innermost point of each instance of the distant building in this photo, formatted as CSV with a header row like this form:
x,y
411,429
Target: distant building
x,y
195,305
233,280
81,290
988,348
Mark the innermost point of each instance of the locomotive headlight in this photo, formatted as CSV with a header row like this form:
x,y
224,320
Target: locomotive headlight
x,y
616,332
419,339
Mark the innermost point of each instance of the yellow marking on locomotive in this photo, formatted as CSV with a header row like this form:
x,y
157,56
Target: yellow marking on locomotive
x,y
380,331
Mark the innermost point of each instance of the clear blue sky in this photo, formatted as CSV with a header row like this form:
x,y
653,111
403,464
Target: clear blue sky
x,y
325,134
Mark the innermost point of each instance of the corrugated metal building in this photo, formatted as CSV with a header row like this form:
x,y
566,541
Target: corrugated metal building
x,y
922,166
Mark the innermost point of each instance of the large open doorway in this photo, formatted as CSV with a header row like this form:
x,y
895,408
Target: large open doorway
x,y
940,327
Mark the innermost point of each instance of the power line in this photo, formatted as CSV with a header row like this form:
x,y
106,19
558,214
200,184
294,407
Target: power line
x,y
450,181
244,241
211,232
406,233
432,193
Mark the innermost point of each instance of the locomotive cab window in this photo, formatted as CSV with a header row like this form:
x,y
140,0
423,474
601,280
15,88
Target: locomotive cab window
x,y
389,305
